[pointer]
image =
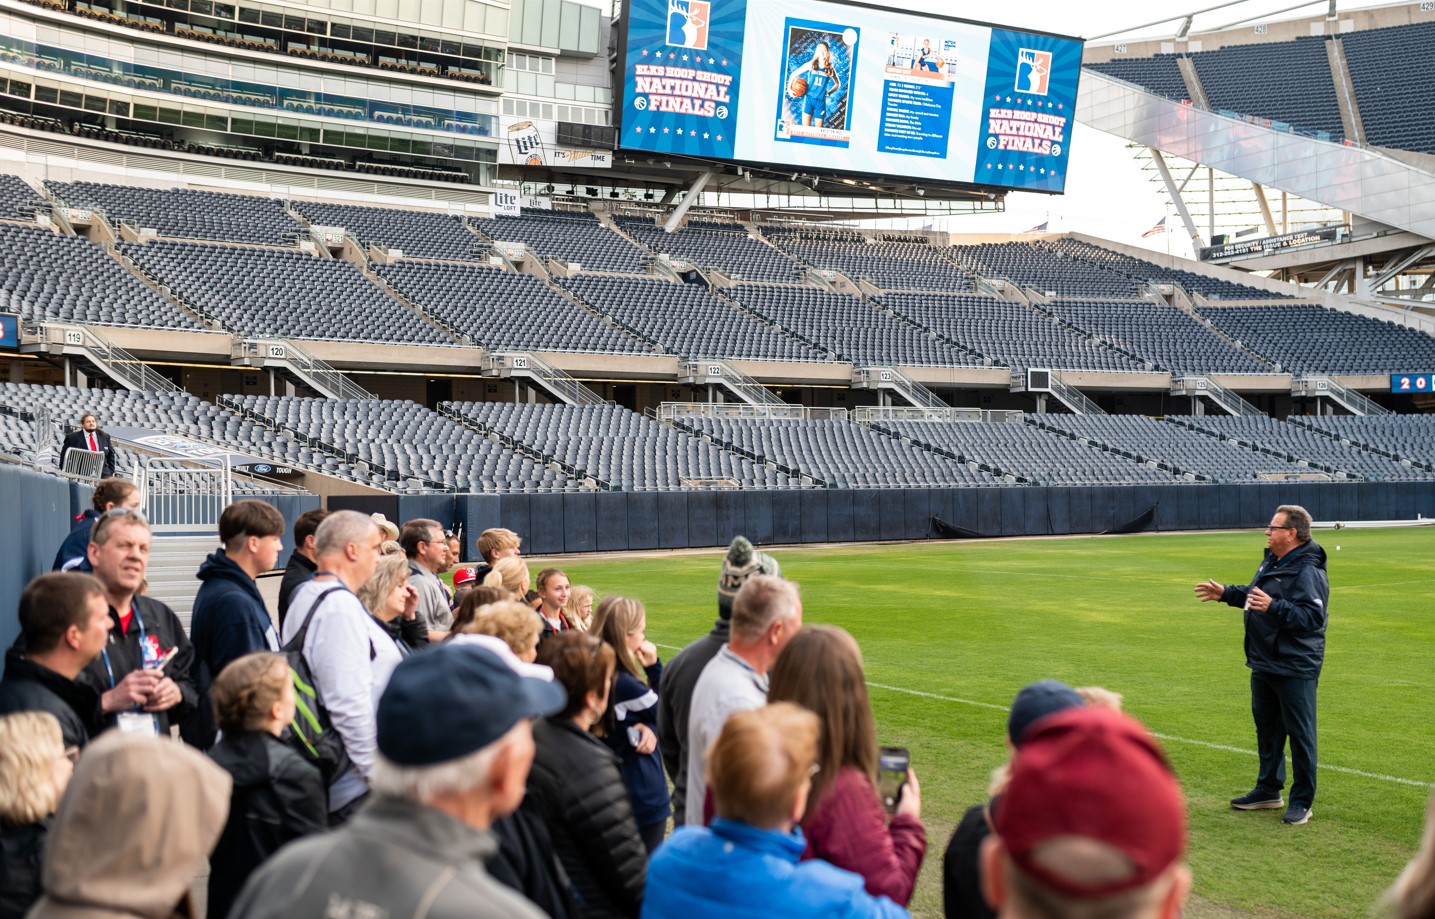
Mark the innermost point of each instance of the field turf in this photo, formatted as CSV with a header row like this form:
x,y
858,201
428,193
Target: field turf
x,y
950,631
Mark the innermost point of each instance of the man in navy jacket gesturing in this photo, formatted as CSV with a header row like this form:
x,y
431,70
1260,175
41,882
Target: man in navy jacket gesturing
x,y
1286,613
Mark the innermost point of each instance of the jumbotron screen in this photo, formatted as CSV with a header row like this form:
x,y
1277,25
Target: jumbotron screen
x,y
813,85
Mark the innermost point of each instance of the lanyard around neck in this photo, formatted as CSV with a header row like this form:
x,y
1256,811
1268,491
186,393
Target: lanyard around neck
x,y
105,653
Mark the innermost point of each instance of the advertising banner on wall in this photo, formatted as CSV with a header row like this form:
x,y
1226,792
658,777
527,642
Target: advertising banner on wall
x,y
533,142
836,86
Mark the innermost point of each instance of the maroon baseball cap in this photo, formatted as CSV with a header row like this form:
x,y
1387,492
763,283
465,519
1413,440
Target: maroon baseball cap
x,y
465,575
1095,774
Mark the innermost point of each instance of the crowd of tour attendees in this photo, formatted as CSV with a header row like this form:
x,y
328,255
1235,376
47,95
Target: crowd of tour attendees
x,y
388,746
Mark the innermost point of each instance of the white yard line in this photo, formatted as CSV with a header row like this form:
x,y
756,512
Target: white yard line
x,y
1168,738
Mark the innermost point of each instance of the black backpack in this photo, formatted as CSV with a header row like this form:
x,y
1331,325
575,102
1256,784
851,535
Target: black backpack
x,y
311,733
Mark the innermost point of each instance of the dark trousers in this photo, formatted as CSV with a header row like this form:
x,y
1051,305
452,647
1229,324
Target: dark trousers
x,y
1284,706
653,835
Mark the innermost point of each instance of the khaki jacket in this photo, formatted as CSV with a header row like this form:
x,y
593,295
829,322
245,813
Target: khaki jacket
x,y
134,829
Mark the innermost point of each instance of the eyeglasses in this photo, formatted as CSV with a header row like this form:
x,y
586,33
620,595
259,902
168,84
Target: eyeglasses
x,y
1274,527
125,512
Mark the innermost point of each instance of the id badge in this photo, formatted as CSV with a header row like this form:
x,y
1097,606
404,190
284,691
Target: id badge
x,y
141,723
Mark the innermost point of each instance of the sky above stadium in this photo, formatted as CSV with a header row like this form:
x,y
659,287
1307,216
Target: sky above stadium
x,y
1107,193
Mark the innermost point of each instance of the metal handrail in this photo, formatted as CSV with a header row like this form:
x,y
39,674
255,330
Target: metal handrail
x,y
670,411
1225,398
867,414
749,388
914,392
1358,403
1074,398
553,378
121,364
328,378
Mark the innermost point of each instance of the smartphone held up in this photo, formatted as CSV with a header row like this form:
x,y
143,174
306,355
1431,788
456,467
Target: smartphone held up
x,y
892,765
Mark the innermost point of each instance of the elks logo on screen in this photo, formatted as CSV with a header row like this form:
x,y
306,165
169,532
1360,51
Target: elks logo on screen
x,y
1033,71
688,23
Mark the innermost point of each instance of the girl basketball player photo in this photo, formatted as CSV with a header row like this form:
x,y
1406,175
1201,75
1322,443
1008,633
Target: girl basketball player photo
x,y
812,84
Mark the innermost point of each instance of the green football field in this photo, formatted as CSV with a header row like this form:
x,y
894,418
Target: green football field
x,y
950,631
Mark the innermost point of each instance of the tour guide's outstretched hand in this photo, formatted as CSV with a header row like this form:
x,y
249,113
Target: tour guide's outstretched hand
x,y
1210,590
1256,599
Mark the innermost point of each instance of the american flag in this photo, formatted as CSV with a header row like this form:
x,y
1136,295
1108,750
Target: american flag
x,y
1040,227
1160,227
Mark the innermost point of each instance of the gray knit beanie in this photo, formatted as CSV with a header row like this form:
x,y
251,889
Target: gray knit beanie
x,y
742,562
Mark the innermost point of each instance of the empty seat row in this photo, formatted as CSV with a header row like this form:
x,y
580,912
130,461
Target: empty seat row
x,y
282,293
620,448
185,214
1308,338
726,247
687,319
420,234
504,310
569,238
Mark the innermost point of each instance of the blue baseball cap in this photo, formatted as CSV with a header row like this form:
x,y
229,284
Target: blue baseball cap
x,y
1035,702
455,699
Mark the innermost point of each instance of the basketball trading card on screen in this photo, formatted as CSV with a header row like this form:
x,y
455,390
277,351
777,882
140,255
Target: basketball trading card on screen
x,y
819,61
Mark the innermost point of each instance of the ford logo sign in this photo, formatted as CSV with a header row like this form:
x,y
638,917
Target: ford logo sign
x,y
262,468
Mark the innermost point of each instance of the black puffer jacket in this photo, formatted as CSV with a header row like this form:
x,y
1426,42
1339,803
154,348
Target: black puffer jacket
x,y
277,798
527,863
575,785
20,849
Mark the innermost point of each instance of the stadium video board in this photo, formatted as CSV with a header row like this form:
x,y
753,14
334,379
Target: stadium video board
x,y
1412,382
810,84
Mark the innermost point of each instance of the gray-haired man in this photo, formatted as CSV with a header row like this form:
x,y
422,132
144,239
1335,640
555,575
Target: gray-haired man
x,y
1286,609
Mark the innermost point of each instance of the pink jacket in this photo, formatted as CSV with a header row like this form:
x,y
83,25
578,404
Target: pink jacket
x,y
849,829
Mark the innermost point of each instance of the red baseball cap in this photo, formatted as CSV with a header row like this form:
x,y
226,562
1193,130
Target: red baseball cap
x,y
465,575
1095,774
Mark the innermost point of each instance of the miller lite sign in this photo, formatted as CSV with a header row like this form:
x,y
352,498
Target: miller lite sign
x,y
526,143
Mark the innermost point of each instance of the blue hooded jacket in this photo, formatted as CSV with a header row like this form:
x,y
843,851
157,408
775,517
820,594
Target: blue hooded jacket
x,y
74,551
733,871
229,621
1289,638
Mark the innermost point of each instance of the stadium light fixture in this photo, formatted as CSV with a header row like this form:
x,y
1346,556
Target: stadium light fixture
x,y
921,192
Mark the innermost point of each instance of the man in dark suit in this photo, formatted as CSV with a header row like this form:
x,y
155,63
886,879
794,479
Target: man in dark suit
x,y
90,437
